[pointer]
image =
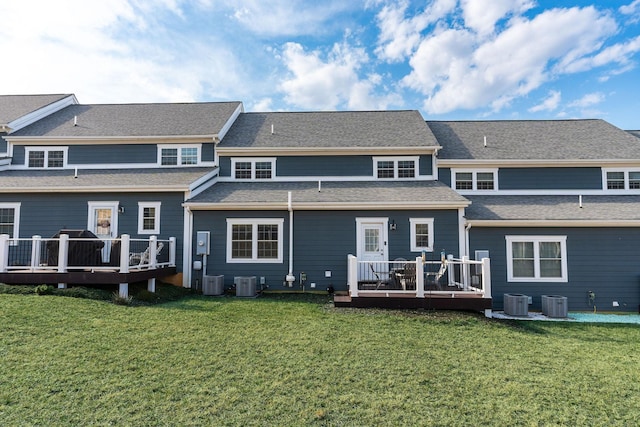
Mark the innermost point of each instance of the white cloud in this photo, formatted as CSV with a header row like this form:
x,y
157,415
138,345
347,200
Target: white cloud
x,y
327,85
550,103
399,36
287,17
632,8
588,100
619,53
461,69
482,15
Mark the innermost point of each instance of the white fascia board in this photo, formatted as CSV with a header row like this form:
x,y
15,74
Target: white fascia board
x,y
552,223
204,181
108,140
221,134
324,206
594,192
40,113
519,163
96,189
324,151
112,166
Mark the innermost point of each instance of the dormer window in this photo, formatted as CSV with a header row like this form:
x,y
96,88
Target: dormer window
x,y
178,155
622,179
471,180
395,167
46,157
253,168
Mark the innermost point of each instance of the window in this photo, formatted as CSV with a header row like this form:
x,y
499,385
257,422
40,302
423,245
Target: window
x,y
474,180
46,157
9,219
395,167
258,168
622,179
254,240
148,217
536,258
421,234
178,155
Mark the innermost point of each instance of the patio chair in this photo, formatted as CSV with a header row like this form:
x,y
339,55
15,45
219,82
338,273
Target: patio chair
x,y
142,258
433,279
377,275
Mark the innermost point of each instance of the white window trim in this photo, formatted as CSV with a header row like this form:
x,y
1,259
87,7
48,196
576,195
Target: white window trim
x,y
16,221
626,178
253,161
254,250
156,220
474,178
413,222
395,160
536,240
179,147
47,150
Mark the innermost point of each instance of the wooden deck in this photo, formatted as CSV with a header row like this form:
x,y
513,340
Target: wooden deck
x,y
96,276
365,299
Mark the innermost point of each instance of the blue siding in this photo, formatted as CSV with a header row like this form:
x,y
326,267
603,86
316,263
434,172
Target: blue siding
x,y
3,145
46,214
426,165
603,260
110,154
322,241
444,176
325,166
550,178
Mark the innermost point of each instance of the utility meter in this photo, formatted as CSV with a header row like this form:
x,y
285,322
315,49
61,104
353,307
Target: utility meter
x,y
202,243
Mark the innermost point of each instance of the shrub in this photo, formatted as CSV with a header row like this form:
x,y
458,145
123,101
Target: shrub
x,y
117,299
43,290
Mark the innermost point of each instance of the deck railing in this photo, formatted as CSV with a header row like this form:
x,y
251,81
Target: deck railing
x,y
450,276
63,254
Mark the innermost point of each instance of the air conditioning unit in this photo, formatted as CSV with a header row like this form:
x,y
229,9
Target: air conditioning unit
x,y
213,285
555,306
245,286
516,305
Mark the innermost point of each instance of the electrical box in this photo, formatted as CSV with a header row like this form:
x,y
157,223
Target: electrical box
x,y
202,242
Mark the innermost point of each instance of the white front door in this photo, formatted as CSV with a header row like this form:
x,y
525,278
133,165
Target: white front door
x,y
372,248
103,222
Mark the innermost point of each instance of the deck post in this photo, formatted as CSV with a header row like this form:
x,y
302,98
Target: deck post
x,y
172,251
419,278
465,273
352,275
451,278
486,282
36,242
153,254
4,252
125,244
63,257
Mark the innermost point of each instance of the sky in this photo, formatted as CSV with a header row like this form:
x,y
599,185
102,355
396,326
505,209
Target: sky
x,y
449,59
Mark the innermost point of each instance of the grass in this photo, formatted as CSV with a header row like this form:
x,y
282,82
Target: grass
x,y
295,360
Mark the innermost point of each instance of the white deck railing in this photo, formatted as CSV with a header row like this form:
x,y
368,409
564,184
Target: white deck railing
x,y
64,254
454,277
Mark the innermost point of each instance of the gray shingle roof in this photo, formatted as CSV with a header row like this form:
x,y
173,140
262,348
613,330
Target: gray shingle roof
x,y
394,195
178,179
634,133
329,129
594,208
206,118
534,140
13,107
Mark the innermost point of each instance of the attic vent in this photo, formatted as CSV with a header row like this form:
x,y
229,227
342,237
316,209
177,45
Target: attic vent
x,y
272,129
75,120
485,140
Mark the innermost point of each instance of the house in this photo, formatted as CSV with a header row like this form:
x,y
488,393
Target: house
x,y
382,206
113,170
554,204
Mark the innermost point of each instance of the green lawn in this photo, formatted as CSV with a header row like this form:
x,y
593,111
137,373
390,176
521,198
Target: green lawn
x,y
295,360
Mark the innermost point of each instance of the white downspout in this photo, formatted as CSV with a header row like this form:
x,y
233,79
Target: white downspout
x,y
290,277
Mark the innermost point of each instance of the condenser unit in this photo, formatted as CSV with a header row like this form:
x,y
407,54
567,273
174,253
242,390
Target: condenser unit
x,y
213,285
516,305
245,286
555,306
